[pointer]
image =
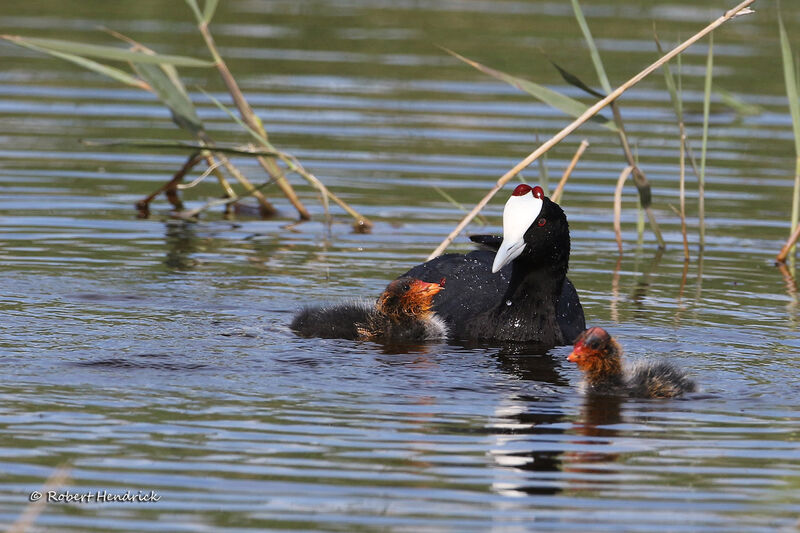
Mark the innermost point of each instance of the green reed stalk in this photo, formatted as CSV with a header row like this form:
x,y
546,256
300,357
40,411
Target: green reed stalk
x,y
639,209
639,179
682,186
458,205
790,78
618,206
544,177
593,52
701,178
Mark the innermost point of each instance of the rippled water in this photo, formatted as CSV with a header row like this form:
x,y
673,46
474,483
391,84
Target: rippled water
x,y
154,355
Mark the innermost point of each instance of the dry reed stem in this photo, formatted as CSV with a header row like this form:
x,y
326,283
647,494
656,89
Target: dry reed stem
x,y
781,258
214,167
143,206
639,179
226,201
251,120
362,224
223,181
202,138
681,215
276,173
295,166
618,205
32,511
583,118
265,206
791,291
195,182
568,172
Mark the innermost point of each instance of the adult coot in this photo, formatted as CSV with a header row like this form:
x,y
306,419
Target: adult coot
x,y
517,290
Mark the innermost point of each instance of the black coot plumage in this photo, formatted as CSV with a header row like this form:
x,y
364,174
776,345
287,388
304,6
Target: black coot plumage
x,y
519,292
402,314
599,356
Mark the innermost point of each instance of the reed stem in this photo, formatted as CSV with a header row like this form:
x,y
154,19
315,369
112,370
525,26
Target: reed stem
x,y
639,179
568,172
682,187
25,522
701,179
618,205
250,118
790,79
170,188
781,258
592,111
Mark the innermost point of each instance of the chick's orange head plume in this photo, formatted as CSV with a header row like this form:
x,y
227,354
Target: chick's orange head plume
x,y
589,343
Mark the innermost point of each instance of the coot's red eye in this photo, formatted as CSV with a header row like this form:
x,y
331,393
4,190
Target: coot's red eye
x,y
538,192
542,222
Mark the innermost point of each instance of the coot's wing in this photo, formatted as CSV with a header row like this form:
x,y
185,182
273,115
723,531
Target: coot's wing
x,y
569,313
491,242
470,287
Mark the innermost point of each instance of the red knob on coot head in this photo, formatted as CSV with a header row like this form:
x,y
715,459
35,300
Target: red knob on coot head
x,y
522,190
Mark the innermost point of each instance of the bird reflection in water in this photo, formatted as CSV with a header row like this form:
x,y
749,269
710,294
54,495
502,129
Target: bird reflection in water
x,y
599,415
528,427
533,447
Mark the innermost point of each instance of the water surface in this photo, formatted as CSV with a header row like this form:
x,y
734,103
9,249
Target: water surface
x,y
155,355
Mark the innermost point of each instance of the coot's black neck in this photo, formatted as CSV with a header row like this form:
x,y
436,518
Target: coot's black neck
x,y
532,280
532,298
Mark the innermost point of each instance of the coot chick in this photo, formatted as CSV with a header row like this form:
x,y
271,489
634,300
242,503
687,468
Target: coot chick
x,y
516,291
599,356
402,314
